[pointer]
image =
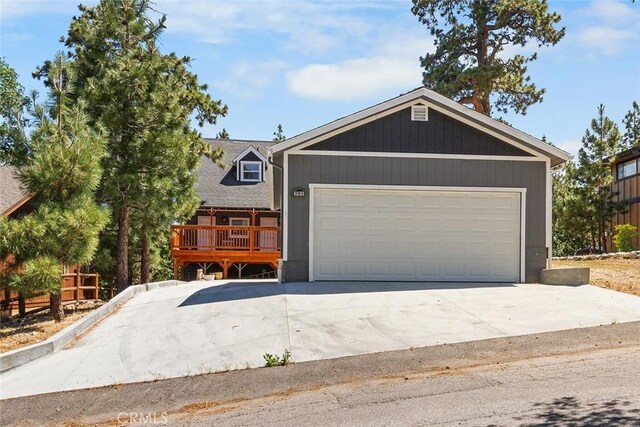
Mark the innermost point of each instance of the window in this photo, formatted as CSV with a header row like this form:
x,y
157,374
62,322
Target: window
x,y
239,222
251,171
628,168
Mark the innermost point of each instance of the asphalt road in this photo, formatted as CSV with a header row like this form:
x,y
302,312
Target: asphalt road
x,y
578,377
596,389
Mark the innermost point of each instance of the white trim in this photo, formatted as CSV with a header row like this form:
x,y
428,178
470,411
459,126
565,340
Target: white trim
x,y
549,213
521,191
312,189
249,149
417,155
285,208
241,165
387,107
523,234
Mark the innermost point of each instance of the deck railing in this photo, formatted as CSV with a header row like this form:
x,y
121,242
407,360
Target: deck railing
x,y
225,238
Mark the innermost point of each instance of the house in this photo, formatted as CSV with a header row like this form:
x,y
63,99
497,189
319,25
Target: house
x,y
416,188
625,169
14,197
15,202
234,231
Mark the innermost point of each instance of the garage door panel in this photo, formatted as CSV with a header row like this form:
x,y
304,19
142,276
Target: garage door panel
x,y
415,235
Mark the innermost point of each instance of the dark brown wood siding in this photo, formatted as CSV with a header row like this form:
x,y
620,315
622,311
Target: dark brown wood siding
x,y
397,133
627,189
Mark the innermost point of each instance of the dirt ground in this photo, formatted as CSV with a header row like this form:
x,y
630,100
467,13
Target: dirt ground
x,y
618,274
16,332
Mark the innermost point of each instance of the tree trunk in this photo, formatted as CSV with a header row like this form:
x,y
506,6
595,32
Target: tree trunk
x,y
145,263
122,256
55,305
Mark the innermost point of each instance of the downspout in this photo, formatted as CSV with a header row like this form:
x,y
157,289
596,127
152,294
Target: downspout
x,y
282,196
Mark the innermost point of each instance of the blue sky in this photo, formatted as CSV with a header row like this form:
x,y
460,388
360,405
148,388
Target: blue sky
x,y
305,63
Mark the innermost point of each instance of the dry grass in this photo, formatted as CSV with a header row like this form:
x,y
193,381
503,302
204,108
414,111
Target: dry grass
x,y
618,274
16,333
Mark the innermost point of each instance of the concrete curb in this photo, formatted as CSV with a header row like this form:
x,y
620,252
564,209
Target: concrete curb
x,y
20,356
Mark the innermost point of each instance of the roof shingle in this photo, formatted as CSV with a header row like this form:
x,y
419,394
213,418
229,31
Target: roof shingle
x,y
219,187
11,190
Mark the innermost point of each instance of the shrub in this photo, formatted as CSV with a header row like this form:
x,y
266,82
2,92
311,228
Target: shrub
x,y
622,239
275,360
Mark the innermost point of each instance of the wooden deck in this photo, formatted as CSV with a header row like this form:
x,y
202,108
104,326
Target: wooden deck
x,y
224,245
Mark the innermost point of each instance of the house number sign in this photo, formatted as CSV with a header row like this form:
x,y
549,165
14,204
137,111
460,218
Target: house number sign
x,y
298,192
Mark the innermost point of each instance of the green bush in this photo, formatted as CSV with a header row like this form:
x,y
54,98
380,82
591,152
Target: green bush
x,y
275,360
622,239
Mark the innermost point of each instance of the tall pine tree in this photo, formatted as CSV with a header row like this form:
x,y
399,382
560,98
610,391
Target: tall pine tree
x,y
593,177
470,65
144,100
62,172
631,122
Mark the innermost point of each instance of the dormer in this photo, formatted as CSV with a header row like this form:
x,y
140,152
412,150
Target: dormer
x,y
250,165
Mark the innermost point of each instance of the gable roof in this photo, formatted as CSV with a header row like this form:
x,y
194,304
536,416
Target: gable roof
x,y
220,188
249,149
12,193
434,100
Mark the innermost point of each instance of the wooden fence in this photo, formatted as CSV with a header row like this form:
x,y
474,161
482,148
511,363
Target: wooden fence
x,y
75,287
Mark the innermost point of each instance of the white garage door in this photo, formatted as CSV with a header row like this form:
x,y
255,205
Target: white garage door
x,y
408,235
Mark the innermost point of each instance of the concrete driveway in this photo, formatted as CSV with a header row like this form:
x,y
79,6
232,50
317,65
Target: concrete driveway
x,y
204,327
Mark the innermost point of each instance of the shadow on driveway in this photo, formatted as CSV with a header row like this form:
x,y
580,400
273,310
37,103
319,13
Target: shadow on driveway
x,y
242,290
569,411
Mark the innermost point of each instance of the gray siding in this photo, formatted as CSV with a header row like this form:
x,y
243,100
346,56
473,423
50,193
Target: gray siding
x,y
398,133
306,169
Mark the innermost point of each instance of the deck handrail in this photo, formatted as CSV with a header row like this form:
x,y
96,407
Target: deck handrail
x,y
225,238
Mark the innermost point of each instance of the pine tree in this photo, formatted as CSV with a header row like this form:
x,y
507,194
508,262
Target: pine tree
x,y
223,134
62,173
278,135
144,100
631,122
469,63
593,177
14,104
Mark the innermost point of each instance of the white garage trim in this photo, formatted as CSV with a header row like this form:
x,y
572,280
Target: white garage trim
x,y
418,155
521,191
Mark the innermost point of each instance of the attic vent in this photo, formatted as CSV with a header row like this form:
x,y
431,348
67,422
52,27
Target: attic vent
x,y
419,113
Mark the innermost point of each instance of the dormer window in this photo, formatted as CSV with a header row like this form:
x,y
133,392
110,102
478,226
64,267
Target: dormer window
x,y
250,171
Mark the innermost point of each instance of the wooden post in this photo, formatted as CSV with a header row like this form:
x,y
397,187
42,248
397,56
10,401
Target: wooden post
x,y
76,291
251,231
96,284
175,269
225,268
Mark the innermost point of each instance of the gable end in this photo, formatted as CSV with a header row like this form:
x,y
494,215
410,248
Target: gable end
x,y
400,133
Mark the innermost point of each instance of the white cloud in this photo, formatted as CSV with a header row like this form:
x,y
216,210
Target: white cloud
x,y
249,79
571,146
615,26
608,40
612,11
394,66
12,8
310,27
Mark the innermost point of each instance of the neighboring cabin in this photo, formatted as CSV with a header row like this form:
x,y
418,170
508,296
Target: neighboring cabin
x,y
234,231
417,188
626,183
15,202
